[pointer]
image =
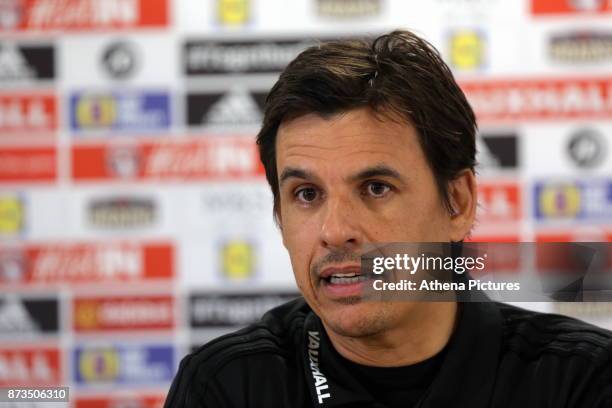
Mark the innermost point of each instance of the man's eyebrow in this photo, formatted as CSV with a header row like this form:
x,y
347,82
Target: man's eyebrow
x,y
380,170
294,172
370,172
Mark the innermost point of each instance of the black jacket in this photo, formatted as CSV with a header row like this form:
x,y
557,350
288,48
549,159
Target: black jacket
x,y
499,356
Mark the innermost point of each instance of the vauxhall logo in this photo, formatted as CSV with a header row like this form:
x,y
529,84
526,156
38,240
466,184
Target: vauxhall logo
x,y
314,342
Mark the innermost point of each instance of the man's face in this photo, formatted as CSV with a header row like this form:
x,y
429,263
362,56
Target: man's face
x,y
344,182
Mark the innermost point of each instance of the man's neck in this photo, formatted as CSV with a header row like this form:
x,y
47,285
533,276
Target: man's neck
x,y
421,336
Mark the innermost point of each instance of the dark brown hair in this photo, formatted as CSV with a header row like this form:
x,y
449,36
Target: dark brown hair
x,y
397,75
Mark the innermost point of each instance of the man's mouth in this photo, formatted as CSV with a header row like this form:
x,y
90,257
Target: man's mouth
x,y
345,278
342,282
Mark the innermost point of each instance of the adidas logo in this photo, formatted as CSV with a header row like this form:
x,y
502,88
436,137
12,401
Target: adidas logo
x,y
13,65
237,107
485,158
14,318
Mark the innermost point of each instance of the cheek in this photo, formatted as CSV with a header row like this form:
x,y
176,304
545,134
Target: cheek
x,y
410,220
300,240
432,226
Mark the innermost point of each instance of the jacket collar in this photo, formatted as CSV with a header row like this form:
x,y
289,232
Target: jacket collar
x,y
466,378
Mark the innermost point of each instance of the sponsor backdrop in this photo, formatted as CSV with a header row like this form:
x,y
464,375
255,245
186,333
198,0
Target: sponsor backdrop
x,y
135,220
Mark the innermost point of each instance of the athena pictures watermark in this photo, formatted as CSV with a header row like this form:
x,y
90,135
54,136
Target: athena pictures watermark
x,y
519,272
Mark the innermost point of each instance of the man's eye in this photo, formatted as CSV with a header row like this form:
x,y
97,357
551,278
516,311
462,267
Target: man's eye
x,y
377,189
306,195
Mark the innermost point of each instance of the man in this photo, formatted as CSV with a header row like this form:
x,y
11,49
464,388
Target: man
x,y
375,142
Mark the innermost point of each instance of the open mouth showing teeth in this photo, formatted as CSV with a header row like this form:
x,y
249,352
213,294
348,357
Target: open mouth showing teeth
x,y
345,279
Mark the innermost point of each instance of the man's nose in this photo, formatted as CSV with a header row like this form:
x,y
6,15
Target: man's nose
x,y
339,227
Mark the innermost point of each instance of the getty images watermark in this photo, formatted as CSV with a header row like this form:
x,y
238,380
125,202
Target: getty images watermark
x,y
521,272
459,265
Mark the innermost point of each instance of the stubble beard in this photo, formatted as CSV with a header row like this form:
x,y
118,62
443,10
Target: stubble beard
x,y
373,322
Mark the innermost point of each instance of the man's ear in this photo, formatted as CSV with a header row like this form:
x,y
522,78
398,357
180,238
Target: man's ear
x,y
463,199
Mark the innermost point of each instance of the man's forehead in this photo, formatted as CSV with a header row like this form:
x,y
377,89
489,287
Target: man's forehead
x,y
349,147
358,130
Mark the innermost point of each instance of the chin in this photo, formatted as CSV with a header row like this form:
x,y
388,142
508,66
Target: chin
x,y
356,319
